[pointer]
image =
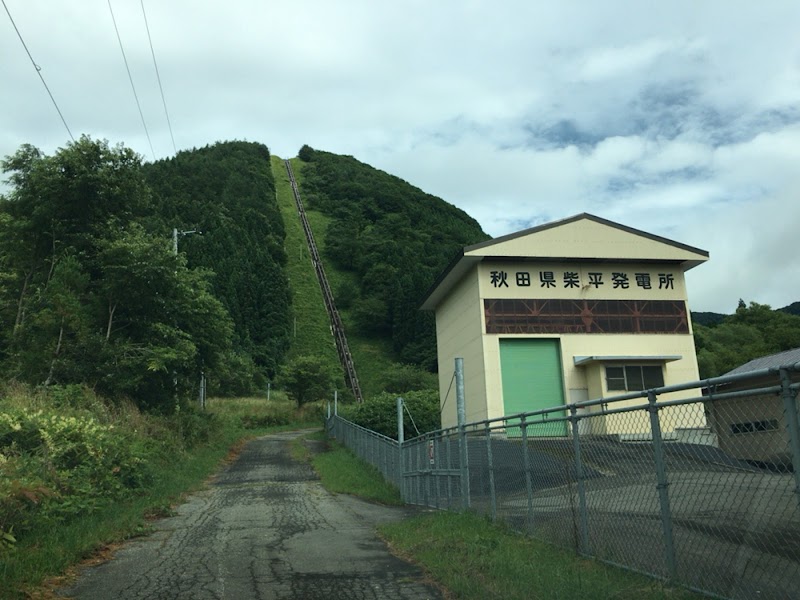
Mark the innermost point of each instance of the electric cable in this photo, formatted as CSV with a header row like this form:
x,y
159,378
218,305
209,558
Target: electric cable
x,y
158,77
452,379
38,71
130,78
412,418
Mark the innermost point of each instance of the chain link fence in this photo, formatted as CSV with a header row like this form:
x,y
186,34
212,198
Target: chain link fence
x,y
701,491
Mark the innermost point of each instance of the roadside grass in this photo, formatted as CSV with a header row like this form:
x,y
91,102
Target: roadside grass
x,y
342,472
49,551
475,559
48,548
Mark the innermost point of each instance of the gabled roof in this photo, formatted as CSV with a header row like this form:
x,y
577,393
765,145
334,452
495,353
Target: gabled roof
x,y
781,359
581,237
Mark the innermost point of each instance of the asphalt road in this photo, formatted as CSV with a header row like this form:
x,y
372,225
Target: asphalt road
x,y
264,529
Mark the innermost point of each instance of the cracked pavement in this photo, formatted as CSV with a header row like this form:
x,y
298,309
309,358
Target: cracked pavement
x,y
264,529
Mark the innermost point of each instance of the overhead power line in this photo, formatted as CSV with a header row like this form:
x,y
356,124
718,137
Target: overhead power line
x,y
38,71
130,78
158,76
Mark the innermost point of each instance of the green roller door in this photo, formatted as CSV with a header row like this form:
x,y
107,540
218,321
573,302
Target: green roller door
x,y
532,380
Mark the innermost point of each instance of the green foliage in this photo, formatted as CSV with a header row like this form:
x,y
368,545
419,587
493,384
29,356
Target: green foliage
x,y
63,466
91,291
751,332
379,413
792,309
306,153
307,379
58,516
227,192
399,379
395,238
341,471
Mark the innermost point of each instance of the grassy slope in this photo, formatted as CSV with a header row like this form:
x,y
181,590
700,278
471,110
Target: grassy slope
x,y
312,333
372,356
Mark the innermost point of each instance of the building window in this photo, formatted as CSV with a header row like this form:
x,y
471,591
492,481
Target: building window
x,y
509,316
754,426
634,378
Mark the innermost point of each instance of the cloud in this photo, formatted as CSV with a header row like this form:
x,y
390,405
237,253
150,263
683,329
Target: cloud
x,y
678,118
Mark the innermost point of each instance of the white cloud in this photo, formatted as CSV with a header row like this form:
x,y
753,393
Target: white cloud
x,y
678,118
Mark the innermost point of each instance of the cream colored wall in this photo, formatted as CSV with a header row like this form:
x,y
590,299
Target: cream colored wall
x,y
459,329
460,321
766,446
588,239
592,377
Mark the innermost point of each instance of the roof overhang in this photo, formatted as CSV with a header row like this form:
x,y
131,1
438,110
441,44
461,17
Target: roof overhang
x,y
460,266
581,361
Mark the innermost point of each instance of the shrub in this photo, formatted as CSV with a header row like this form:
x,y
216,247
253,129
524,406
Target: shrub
x,y
379,413
57,466
400,379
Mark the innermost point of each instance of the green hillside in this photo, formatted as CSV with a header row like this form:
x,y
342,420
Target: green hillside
x,y
227,192
392,239
310,326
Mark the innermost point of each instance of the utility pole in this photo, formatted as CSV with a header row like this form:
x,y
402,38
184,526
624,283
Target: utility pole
x,y
176,234
202,394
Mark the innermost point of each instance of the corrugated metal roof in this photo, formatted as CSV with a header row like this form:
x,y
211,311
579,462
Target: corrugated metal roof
x,y
788,357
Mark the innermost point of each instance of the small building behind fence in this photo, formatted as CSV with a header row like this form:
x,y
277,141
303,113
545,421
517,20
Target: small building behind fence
x,y
753,428
577,309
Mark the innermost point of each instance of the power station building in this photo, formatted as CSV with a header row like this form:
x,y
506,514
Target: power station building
x,y
582,308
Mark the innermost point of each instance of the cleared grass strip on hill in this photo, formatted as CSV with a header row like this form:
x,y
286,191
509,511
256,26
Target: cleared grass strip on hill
x,y
311,334
372,355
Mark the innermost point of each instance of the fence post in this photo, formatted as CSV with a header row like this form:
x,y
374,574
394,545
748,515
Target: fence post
x,y
583,513
462,434
662,485
401,482
526,466
490,461
336,402
792,427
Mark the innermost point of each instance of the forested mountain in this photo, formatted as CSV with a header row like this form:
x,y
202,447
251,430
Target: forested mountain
x,y
753,331
394,237
227,192
91,291
792,309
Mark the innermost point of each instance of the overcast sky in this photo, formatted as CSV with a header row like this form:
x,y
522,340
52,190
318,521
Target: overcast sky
x,y
680,118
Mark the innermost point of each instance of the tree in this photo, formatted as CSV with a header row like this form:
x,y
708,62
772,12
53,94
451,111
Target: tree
x,y
88,294
307,379
753,331
227,191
